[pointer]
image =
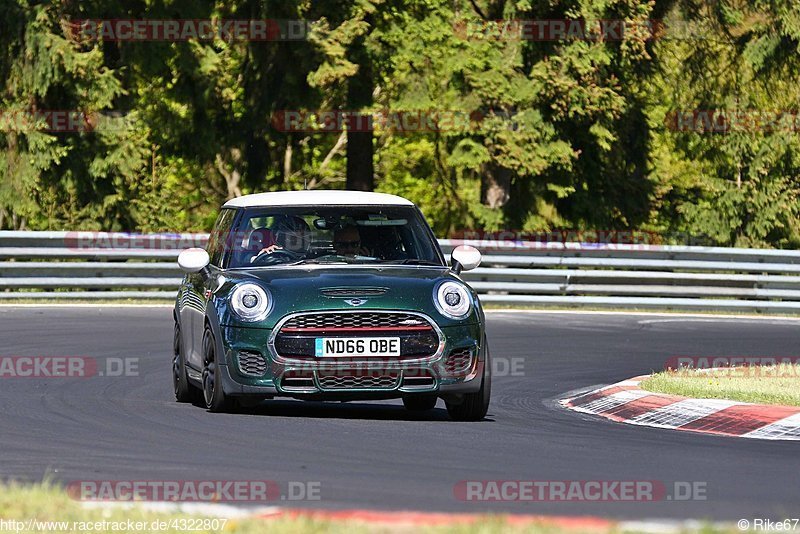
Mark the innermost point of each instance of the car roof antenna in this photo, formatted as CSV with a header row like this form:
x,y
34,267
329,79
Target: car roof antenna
x,y
305,184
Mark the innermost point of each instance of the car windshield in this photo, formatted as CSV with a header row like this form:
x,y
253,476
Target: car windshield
x,y
388,235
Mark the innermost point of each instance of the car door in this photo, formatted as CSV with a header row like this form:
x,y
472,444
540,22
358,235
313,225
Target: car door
x,y
199,285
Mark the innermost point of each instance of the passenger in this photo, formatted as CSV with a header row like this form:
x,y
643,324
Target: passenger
x,y
347,242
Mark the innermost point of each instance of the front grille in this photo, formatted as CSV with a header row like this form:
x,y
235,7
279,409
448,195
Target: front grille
x,y
343,380
252,363
356,321
350,292
296,337
302,347
458,362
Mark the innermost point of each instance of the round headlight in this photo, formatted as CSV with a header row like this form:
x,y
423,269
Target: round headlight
x,y
250,302
452,300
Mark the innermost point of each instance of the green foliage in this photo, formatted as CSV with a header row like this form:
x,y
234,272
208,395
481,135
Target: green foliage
x,y
738,188
547,134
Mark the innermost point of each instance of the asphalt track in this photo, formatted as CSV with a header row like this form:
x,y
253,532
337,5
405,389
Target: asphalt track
x,y
376,455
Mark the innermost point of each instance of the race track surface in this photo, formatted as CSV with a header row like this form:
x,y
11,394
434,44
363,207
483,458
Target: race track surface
x,y
377,455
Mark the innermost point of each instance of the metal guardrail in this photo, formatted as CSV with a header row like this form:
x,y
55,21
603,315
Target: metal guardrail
x,y
73,265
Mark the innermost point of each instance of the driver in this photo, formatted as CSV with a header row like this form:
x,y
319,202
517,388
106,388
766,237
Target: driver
x,y
292,234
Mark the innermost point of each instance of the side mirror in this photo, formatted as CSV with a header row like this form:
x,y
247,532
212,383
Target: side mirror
x,y
465,258
193,260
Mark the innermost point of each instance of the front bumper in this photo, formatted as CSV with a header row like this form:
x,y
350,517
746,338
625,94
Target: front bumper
x,y
456,368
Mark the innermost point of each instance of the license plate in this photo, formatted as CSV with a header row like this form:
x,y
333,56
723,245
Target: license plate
x,y
327,347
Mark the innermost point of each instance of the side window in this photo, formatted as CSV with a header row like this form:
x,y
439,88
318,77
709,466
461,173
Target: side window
x,y
220,236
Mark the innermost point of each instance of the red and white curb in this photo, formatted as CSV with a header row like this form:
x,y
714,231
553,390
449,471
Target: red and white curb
x,y
626,402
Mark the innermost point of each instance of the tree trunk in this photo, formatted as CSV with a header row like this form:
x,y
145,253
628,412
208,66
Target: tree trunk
x,y
495,186
287,160
232,176
360,171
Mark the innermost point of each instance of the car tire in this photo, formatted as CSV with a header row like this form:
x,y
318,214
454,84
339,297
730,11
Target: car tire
x,y
214,397
475,405
184,390
419,403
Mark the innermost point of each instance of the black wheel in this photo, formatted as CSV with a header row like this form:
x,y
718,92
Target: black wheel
x,y
215,399
184,390
475,405
419,403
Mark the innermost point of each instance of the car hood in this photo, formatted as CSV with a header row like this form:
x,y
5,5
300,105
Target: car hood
x,y
304,288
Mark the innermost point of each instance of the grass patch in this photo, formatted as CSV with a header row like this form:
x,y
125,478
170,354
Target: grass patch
x,y
760,384
48,503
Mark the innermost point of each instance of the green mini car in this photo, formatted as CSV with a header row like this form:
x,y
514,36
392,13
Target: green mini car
x,y
329,295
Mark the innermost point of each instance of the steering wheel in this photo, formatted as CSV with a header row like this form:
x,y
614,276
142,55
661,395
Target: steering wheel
x,y
276,256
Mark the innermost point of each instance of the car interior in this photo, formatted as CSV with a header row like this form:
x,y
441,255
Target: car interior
x,y
381,239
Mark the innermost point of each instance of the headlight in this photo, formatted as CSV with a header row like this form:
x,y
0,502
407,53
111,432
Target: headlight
x,y
452,300
250,302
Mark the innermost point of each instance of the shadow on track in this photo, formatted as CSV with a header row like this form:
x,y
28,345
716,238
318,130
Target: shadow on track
x,y
344,410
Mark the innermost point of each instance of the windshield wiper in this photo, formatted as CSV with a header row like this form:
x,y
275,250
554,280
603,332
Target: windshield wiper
x,y
414,261
316,261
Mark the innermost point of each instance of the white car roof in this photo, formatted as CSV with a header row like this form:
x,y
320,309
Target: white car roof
x,y
317,198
